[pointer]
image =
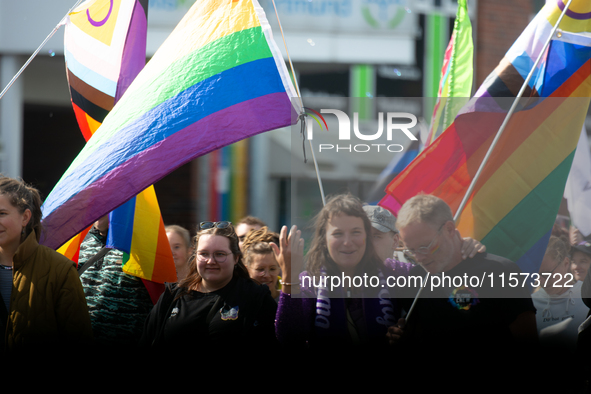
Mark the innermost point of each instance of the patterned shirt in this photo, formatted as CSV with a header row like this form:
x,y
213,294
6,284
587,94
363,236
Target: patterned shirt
x,y
118,303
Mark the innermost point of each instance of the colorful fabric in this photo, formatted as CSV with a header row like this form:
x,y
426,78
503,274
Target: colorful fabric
x,y
515,201
104,49
103,57
398,163
217,79
71,249
455,86
137,229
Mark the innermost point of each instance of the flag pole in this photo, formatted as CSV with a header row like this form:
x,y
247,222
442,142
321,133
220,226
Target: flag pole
x,y
55,29
302,105
508,116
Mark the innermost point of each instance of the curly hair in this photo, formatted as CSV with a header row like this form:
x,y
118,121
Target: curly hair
x,y
23,197
258,242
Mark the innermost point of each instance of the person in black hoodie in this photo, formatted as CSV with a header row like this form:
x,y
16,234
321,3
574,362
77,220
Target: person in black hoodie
x,y
217,307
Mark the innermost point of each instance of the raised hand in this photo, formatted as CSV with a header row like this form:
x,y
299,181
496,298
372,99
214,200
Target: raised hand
x,y
290,256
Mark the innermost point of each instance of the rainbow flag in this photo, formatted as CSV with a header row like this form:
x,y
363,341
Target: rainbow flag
x,y
398,163
105,49
71,249
455,85
517,196
137,232
217,79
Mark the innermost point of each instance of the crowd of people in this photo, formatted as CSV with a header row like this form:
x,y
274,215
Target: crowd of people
x,y
243,287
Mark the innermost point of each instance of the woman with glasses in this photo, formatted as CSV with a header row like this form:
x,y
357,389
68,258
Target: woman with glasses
x,y
217,306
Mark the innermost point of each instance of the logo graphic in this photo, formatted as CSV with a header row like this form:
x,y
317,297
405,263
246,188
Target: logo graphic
x,y
229,313
345,125
463,298
383,18
387,124
315,115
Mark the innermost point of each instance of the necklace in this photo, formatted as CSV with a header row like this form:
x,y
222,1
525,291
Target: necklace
x,y
5,267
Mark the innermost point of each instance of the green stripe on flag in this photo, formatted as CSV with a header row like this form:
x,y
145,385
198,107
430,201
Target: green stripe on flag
x,y
531,218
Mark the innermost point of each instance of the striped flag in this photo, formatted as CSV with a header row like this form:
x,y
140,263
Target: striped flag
x,y
136,228
514,203
71,249
398,163
217,79
105,49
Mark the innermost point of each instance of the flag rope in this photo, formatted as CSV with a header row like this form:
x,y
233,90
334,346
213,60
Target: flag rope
x,y
55,29
302,105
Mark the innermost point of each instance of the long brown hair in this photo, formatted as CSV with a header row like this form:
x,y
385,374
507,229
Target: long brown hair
x,y
193,278
23,197
318,256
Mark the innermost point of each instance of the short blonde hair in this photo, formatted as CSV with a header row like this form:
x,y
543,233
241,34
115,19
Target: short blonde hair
x,y
424,208
182,232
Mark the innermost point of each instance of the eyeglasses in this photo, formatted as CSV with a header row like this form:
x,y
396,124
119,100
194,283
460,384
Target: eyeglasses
x,y
219,257
425,250
222,224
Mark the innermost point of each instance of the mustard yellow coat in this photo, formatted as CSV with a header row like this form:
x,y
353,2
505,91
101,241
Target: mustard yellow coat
x,y
47,305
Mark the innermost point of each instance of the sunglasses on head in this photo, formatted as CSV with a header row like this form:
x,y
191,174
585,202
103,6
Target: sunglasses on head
x,y
221,224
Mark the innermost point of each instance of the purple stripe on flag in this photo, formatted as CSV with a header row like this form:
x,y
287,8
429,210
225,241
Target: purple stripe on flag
x,y
260,114
134,52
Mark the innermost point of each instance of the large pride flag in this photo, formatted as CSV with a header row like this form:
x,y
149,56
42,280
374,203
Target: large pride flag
x,y
217,79
105,49
516,198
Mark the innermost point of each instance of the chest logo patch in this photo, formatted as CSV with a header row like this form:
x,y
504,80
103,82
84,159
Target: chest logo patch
x,y
229,313
463,298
